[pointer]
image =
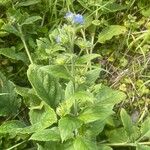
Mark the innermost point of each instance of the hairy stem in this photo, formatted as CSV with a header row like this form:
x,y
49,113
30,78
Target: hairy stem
x,y
25,45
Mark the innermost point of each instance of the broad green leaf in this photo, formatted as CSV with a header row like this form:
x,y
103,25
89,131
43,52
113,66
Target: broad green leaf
x,y
110,31
54,145
103,147
31,20
94,128
29,96
11,126
94,113
145,128
45,117
28,3
67,125
69,91
84,144
106,95
9,103
87,58
46,135
113,7
127,122
42,117
92,76
83,97
11,29
58,71
117,135
11,53
142,147
42,45
46,86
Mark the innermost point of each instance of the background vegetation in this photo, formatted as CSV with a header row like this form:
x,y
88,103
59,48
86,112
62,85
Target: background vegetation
x,y
74,74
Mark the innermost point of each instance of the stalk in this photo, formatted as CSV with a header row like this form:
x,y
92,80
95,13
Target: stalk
x,y
25,45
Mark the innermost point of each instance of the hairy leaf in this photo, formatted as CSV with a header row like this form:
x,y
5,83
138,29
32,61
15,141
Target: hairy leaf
x,y
28,3
105,95
31,20
145,128
110,31
11,53
46,135
67,125
127,122
9,103
58,71
84,144
94,113
46,86
87,58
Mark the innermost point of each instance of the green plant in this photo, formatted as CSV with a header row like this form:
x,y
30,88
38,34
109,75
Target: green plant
x,y
64,103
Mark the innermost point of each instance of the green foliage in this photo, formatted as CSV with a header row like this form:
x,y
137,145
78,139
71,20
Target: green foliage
x,y
110,31
9,103
46,86
76,80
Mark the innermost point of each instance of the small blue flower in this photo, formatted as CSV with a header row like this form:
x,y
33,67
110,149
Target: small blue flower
x,y
78,19
58,39
69,15
74,18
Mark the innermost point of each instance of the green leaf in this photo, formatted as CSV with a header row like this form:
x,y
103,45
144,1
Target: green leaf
x,y
58,71
28,3
31,20
103,147
83,96
92,76
145,128
42,117
29,96
94,128
9,103
127,122
11,53
69,91
46,86
46,135
87,58
142,147
11,29
11,126
94,113
110,31
67,125
117,135
106,95
113,7
84,144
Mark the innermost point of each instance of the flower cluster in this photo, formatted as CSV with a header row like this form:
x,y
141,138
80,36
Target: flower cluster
x,y
74,18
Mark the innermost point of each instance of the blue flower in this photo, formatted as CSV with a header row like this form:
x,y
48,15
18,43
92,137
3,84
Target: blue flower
x,y
58,39
78,19
74,18
69,16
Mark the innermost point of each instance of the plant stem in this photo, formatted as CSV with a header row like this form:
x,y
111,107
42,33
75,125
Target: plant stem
x,y
125,144
25,45
16,145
